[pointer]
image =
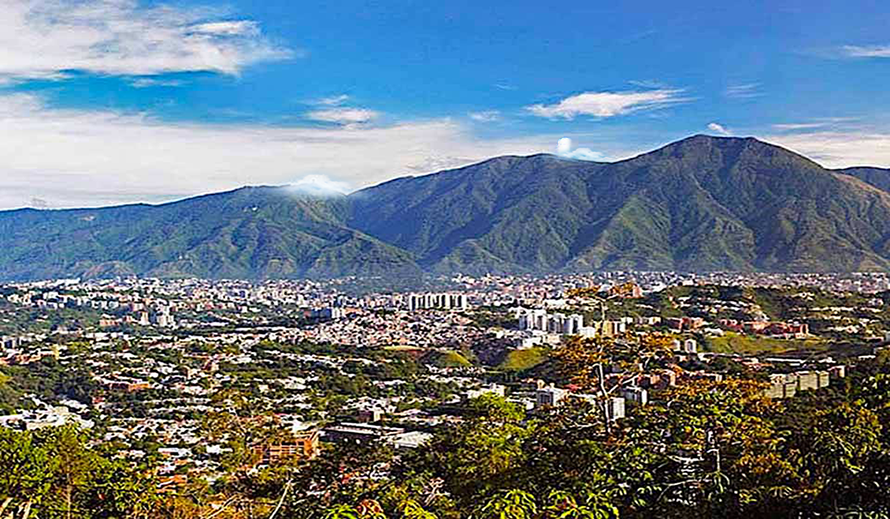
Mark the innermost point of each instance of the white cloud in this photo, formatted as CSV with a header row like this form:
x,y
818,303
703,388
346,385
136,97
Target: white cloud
x,y
345,116
798,126
145,82
608,104
873,51
832,123
238,28
838,149
564,149
333,100
320,185
719,129
42,38
75,158
486,116
744,91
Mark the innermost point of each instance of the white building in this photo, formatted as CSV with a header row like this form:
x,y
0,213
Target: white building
x,y
688,346
538,319
549,396
438,301
491,389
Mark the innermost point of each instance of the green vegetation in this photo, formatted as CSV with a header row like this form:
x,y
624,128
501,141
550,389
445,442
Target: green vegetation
x,y
877,177
753,345
699,450
522,360
699,204
47,379
247,233
448,359
54,474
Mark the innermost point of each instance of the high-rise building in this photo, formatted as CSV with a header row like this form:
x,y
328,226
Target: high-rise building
x,y
538,319
437,301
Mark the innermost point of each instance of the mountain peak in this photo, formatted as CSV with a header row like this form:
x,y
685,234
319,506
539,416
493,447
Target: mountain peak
x,y
702,203
731,149
719,141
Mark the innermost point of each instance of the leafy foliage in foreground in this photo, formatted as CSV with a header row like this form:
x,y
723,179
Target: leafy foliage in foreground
x,y
698,450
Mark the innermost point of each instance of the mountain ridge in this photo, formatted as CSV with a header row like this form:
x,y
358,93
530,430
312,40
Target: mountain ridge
x,y
701,203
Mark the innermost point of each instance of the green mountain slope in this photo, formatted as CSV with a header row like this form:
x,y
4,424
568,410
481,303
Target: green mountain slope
x,y
877,177
703,203
508,213
247,233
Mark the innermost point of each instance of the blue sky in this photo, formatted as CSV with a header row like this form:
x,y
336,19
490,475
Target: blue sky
x,y
115,101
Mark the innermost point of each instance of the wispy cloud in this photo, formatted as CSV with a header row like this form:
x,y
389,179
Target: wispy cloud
x,y
719,129
798,126
870,51
80,157
343,115
609,104
42,38
332,100
504,86
821,123
145,82
486,116
744,91
838,149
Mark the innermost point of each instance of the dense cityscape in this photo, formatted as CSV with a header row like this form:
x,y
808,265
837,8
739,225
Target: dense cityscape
x,y
406,259
166,374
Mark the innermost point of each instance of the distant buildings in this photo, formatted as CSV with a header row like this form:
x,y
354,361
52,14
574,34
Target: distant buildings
x,y
540,320
788,385
549,396
45,417
438,301
552,396
303,445
606,329
688,346
332,313
125,384
366,434
685,323
635,395
490,389
259,323
779,329
615,408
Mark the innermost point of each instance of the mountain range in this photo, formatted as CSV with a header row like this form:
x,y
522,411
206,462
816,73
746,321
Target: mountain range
x,y
700,204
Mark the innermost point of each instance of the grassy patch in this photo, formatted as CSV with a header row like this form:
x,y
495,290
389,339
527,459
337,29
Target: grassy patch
x,y
450,359
752,345
521,360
